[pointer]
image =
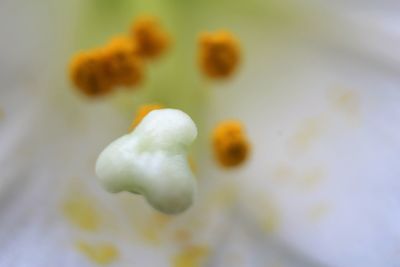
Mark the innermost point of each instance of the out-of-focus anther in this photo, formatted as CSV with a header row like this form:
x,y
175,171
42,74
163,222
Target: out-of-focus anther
x,y
88,73
219,54
98,71
230,143
150,36
123,64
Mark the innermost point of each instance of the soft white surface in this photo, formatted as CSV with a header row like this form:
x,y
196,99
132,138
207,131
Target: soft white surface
x,y
152,161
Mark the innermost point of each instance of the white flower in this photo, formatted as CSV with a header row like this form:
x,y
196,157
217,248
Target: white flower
x,y
318,92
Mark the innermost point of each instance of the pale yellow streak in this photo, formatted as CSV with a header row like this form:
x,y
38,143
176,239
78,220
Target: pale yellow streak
x,y
309,131
81,212
153,229
103,253
348,103
192,256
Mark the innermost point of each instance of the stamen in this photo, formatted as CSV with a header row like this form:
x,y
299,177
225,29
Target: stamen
x,y
123,64
219,54
88,73
98,71
231,147
150,36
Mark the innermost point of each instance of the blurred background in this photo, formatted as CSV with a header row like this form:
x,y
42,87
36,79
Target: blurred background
x,y
317,90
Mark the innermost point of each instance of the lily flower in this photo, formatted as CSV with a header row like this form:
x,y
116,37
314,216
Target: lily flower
x,y
308,97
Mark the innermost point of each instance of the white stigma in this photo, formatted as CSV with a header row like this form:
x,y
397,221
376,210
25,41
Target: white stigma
x,y
152,161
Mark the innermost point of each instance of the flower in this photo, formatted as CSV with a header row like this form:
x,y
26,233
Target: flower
x,y
316,92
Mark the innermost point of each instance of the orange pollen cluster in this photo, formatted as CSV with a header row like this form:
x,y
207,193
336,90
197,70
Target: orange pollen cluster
x,y
124,65
98,71
231,147
142,112
151,38
219,54
88,73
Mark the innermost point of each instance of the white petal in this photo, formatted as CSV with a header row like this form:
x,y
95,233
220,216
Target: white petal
x,y
323,118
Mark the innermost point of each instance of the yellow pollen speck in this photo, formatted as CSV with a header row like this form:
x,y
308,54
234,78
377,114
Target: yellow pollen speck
x,y
309,131
151,38
226,196
283,173
219,54
141,112
267,211
99,253
311,178
270,223
230,144
190,256
161,219
271,219
82,213
154,228
182,236
348,103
